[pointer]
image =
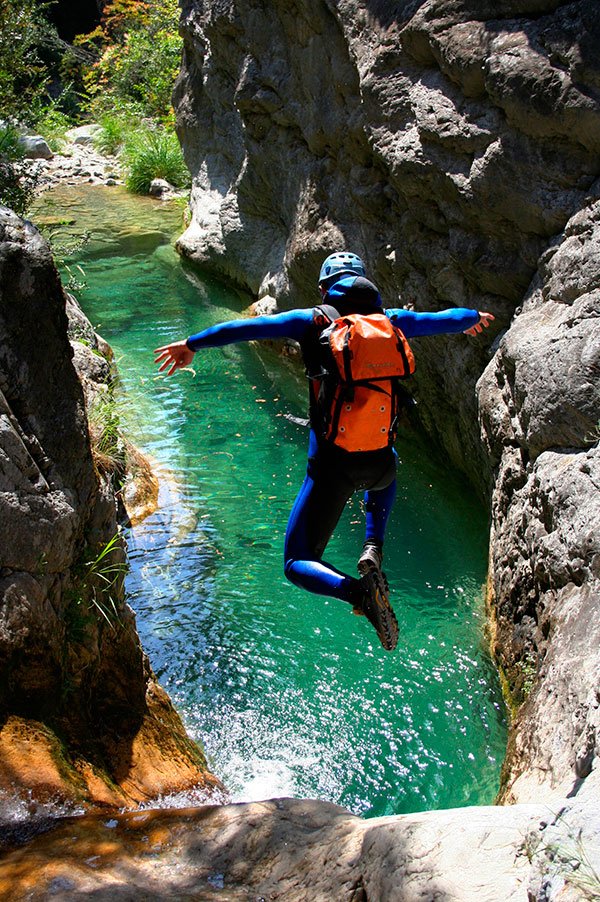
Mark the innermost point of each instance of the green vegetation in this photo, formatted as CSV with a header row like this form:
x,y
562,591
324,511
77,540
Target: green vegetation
x,y
23,74
108,449
17,181
566,857
120,75
99,581
138,54
154,154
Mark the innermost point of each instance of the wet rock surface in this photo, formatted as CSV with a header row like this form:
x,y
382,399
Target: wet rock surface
x,y
308,851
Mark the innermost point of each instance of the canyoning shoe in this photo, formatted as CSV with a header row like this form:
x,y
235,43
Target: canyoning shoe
x,y
375,605
370,559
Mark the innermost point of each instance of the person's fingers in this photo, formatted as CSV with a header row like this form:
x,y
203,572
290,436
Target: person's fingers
x,y
166,364
161,356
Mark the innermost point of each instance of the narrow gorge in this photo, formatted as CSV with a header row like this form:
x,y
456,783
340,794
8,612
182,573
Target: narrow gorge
x,y
455,145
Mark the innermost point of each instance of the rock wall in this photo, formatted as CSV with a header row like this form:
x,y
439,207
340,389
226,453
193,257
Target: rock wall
x,y
454,144
446,141
538,398
81,716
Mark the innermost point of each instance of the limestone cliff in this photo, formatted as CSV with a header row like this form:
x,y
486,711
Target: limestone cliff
x,y
81,716
446,141
455,144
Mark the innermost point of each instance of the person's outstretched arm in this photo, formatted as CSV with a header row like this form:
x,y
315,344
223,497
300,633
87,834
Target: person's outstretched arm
x,y
178,354
456,319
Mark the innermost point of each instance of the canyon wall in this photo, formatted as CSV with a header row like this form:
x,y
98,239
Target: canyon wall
x,y
82,719
455,145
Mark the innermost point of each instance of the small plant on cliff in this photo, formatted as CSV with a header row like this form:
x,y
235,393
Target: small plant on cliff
x,y
593,436
99,585
567,858
108,449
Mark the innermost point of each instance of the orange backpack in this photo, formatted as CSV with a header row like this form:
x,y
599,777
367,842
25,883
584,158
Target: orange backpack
x,y
356,396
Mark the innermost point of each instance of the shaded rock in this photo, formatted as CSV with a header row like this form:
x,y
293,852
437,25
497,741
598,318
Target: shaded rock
x,y
161,189
447,143
540,409
81,716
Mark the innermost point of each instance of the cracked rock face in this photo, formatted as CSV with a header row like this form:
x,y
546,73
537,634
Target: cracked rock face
x,y
540,408
455,145
81,716
446,141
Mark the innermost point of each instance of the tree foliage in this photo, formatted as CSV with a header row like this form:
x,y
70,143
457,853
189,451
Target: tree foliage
x,y
139,53
23,74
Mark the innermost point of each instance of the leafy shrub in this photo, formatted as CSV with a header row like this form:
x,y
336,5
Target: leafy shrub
x,y
23,75
154,155
52,124
139,52
17,181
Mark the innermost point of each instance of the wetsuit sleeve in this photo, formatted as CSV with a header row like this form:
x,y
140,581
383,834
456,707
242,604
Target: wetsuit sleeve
x,y
292,324
413,324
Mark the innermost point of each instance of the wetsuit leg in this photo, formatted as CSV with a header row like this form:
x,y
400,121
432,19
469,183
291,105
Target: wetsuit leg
x,y
315,514
378,506
379,501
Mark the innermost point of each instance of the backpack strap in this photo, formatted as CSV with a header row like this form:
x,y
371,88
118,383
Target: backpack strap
x,y
324,315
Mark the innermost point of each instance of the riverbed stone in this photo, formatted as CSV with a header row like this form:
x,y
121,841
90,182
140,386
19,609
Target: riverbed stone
x,y
35,147
83,134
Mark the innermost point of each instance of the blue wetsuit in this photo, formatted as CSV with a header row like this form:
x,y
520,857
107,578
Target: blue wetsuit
x,y
333,474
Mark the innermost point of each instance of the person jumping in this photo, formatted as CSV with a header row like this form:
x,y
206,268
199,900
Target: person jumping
x,y
356,354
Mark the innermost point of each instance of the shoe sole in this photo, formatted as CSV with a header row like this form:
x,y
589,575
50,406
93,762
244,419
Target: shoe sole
x,y
383,617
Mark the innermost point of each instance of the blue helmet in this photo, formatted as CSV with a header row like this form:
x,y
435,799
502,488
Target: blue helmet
x,y
339,263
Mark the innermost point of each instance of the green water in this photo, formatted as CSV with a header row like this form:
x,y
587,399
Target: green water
x,y
290,693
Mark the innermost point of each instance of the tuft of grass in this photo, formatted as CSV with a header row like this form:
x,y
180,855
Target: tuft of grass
x,y
113,135
108,449
53,124
98,588
105,576
153,155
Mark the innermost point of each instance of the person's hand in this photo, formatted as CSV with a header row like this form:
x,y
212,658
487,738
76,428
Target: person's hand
x,y
484,320
175,356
